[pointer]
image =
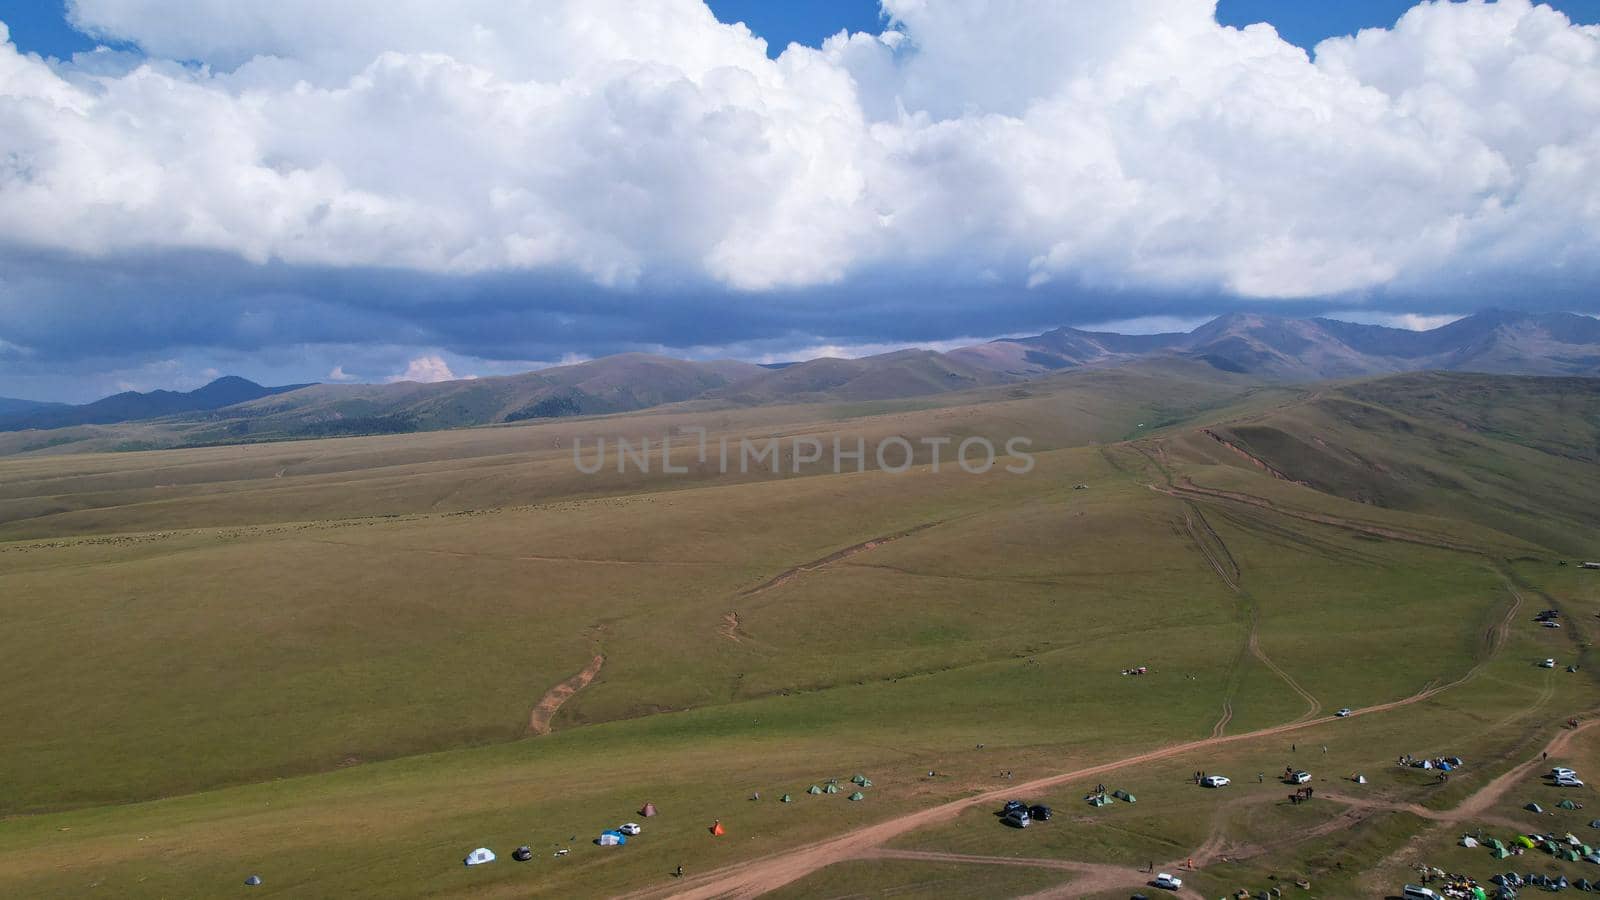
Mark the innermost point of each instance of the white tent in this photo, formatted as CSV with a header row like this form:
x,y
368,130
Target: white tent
x,y
1468,841
609,840
1361,779
479,856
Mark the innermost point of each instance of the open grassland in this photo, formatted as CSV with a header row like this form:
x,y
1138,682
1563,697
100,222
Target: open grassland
x,y
322,661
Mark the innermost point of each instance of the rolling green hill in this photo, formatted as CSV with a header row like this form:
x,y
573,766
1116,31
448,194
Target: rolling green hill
x,y
343,664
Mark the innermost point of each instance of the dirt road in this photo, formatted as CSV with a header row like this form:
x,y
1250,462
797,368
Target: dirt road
x,y
545,709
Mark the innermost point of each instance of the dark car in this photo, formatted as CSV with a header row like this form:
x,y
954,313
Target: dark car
x,y
1042,813
1012,806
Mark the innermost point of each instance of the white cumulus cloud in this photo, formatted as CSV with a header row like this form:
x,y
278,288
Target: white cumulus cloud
x,y
635,143
427,370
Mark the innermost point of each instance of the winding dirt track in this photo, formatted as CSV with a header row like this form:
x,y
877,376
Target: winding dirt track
x,y
1191,491
1227,568
1092,877
759,876
545,709
789,575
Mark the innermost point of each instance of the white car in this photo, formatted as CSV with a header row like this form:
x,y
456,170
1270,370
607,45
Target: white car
x,y
1215,781
1413,892
630,829
1170,882
1343,711
1548,664
1552,624
1301,778
1568,781
1562,772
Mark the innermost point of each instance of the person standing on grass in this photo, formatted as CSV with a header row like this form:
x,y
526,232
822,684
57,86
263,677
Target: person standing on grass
x,y
679,873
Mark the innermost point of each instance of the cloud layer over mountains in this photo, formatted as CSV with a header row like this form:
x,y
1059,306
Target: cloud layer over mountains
x,y
608,173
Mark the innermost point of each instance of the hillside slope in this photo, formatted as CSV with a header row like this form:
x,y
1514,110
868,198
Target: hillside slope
x,y
1516,454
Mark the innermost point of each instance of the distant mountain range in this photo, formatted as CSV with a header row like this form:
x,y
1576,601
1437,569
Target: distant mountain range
x,y
11,406
233,409
1315,349
131,406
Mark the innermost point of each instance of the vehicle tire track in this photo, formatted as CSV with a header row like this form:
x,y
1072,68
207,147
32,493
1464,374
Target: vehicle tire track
x,y
758,876
789,575
1222,561
550,703
1221,728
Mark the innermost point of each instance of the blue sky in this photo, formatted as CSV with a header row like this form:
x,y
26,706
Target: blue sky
x,y
40,26
342,192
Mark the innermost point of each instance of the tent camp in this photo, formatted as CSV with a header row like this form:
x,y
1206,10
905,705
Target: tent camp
x,y
611,839
1500,853
858,796
1534,808
1494,844
649,809
479,856
1361,779
1100,800
1124,796
813,790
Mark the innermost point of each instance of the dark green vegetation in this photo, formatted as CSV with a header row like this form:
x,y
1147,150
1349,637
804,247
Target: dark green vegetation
x,y
321,661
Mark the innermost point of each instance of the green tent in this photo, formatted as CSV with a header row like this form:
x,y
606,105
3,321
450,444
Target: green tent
x,y
1567,804
816,790
1524,840
1100,800
858,796
831,788
1500,853
857,778
1124,796
865,782
1534,808
1570,855
785,799
1494,844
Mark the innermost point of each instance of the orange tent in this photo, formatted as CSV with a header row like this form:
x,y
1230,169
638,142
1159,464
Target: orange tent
x,y
716,828
648,810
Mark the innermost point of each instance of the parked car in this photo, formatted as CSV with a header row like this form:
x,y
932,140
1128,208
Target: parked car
x,y
630,829
1012,806
1568,781
1017,818
1040,812
1215,781
1170,882
1548,664
1413,892
1300,778
1343,711
1552,624
1562,772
